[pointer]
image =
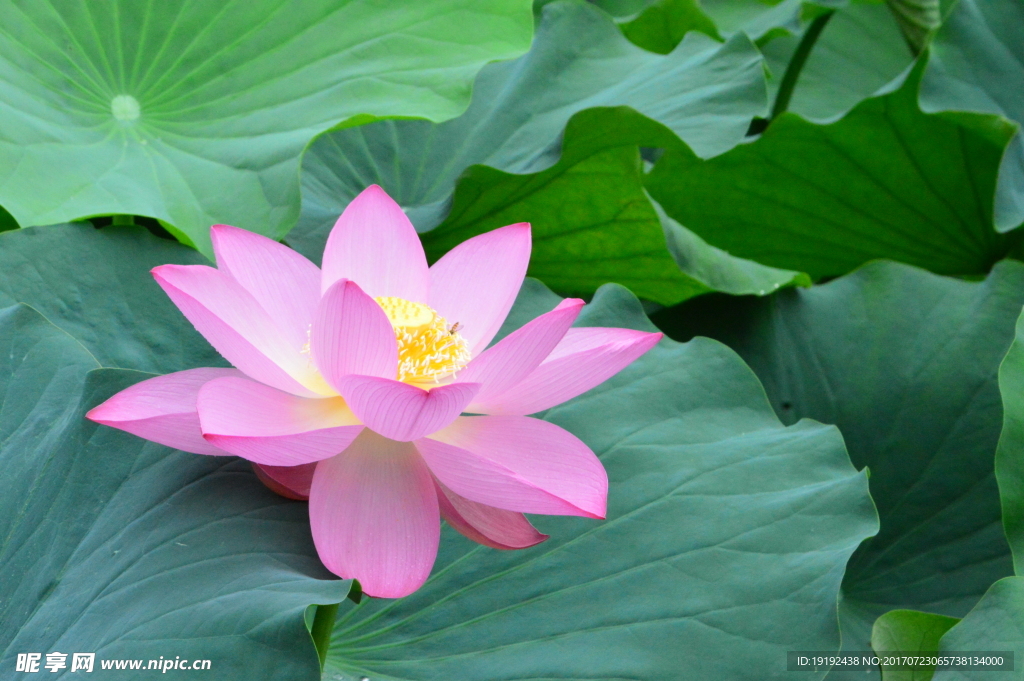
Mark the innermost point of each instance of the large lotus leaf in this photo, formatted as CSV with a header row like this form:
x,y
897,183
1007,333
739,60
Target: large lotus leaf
x,y
724,546
886,181
593,222
909,632
662,25
705,92
197,112
1010,453
95,284
905,363
977,64
995,624
126,549
860,51
764,21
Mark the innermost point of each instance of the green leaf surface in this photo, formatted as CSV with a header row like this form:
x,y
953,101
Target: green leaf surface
x,y
719,271
977,64
996,623
617,8
905,363
593,223
886,181
765,20
112,545
1010,453
95,285
859,52
704,92
664,24
7,221
912,633
657,591
917,19
197,112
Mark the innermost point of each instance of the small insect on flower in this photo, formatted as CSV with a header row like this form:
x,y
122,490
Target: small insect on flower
x,y
350,388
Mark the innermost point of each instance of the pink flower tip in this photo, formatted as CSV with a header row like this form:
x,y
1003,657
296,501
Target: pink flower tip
x,y
518,226
159,270
94,414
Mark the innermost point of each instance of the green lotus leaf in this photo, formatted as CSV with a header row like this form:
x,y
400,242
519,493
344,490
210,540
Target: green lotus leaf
x,y
885,181
904,362
704,92
663,24
7,221
95,285
918,20
764,21
617,8
119,547
860,52
593,223
976,63
658,591
1010,454
197,112
995,624
912,633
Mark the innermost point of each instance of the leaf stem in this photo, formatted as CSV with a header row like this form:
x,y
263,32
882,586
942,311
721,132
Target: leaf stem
x,y
796,63
323,626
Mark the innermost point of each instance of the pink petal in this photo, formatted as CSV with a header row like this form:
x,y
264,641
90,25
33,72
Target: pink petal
x,y
476,282
373,512
583,359
374,244
403,412
487,525
509,361
269,426
163,410
519,464
282,281
291,482
235,325
352,335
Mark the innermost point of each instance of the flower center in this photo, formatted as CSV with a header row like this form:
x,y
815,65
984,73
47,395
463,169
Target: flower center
x,y
428,348
124,108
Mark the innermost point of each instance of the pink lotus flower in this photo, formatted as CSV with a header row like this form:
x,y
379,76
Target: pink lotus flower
x,y
350,385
